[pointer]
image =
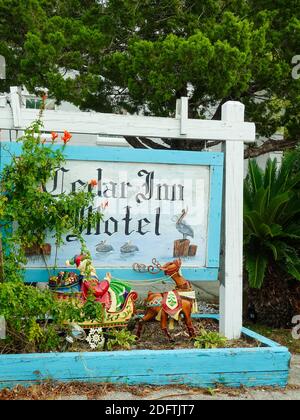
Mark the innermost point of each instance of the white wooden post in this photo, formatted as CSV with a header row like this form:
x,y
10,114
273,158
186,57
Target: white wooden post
x,y
231,289
16,107
182,110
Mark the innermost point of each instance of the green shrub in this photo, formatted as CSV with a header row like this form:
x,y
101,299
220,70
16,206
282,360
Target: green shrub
x,y
209,340
120,339
28,206
92,310
36,320
272,219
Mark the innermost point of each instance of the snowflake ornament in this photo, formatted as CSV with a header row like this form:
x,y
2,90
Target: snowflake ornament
x,y
96,338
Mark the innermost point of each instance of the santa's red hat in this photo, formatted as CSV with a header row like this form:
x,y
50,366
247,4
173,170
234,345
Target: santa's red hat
x,y
76,260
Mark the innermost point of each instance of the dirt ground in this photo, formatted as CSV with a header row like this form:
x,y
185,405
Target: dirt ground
x,y
154,339
109,392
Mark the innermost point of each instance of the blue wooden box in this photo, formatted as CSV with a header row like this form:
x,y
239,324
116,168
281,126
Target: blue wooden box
x,y
265,365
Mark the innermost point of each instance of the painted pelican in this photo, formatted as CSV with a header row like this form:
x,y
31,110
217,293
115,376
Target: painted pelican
x,y
181,225
128,248
104,247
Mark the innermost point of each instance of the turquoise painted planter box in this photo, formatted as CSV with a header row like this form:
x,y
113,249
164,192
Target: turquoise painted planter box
x,y
267,365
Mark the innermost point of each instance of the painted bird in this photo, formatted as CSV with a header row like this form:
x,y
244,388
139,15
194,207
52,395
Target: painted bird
x,y
182,227
128,248
104,247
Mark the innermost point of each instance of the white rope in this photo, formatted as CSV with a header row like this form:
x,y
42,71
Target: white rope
x,y
146,281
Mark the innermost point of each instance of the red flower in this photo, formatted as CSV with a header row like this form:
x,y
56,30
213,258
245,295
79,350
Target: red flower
x,y
93,182
54,135
66,137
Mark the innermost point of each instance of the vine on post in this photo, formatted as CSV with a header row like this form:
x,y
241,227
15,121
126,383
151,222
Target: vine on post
x,y
30,213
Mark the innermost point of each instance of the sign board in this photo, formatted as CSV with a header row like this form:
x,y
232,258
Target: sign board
x,y
232,131
155,204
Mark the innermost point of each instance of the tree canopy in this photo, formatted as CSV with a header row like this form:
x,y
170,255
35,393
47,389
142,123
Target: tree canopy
x,y
138,55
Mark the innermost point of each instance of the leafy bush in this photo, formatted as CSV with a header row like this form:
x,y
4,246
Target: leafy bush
x,y
22,306
29,213
272,220
209,340
26,203
120,339
36,320
92,310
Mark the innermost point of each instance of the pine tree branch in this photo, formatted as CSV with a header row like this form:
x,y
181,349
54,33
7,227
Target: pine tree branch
x,y
270,146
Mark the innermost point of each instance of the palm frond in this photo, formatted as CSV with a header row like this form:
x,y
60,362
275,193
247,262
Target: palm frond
x,y
256,266
255,176
272,219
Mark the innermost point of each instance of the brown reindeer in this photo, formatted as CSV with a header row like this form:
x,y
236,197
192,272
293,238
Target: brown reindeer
x,y
185,302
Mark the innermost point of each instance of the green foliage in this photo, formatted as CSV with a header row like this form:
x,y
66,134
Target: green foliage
x,y
12,264
22,306
296,159
28,206
30,213
120,339
209,340
92,310
272,219
111,55
35,318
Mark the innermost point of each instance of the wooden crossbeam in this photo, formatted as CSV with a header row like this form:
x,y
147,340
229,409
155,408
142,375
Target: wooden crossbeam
x,y
129,125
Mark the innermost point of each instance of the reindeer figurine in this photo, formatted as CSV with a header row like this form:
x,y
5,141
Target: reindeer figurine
x,y
181,300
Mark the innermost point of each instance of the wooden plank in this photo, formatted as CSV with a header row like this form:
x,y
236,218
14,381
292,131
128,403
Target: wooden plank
x,y
266,342
231,288
232,380
215,217
116,154
262,366
41,275
131,125
258,366
259,338
140,362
